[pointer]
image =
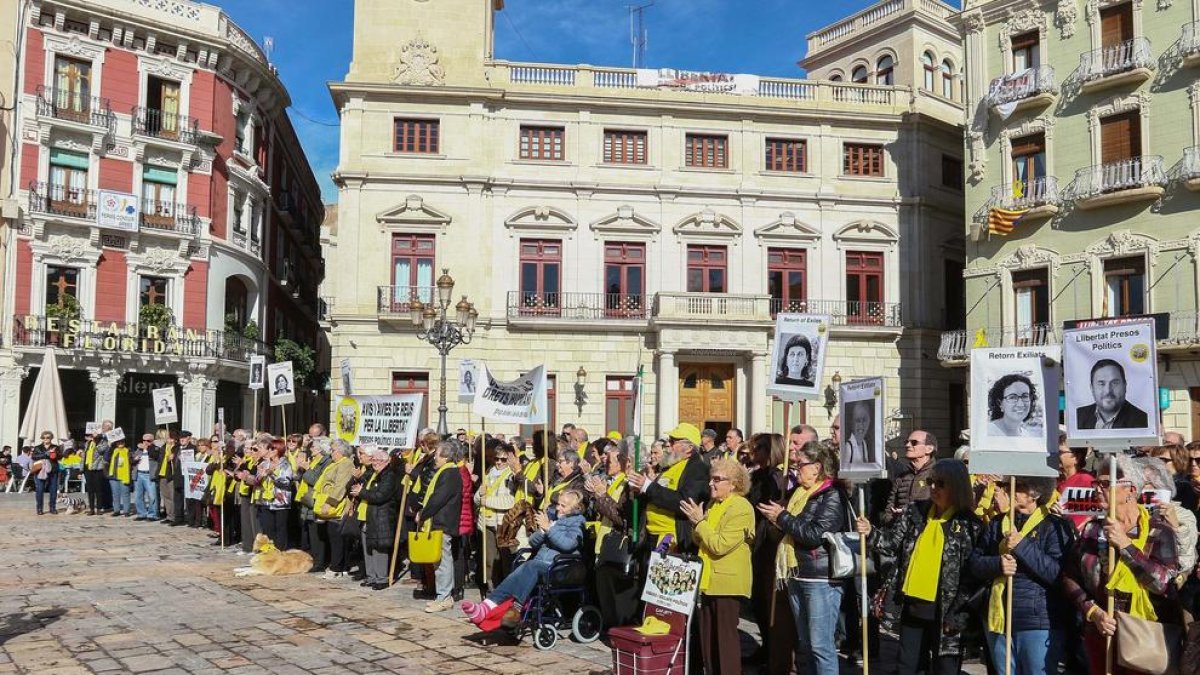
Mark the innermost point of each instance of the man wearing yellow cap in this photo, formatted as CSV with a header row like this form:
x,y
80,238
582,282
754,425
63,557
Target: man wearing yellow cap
x,y
684,476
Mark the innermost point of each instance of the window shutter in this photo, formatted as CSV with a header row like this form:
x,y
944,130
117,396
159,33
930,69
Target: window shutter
x,y
1120,137
1116,24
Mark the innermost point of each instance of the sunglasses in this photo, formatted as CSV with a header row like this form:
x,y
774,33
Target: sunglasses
x,y
912,443
1106,484
717,479
1194,461
935,483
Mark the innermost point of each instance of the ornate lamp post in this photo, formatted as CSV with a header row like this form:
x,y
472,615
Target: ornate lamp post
x,y
443,333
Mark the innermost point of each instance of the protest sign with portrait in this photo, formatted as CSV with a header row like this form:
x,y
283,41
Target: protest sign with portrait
x,y
672,582
165,410
798,360
281,383
1112,384
467,379
386,421
1014,411
861,407
258,368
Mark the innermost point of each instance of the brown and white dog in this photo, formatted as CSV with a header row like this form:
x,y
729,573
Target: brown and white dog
x,y
272,562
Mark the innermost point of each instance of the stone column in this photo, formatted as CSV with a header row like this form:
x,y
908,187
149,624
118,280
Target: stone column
x,y
199,404
758,393
105,382
668,393
10,403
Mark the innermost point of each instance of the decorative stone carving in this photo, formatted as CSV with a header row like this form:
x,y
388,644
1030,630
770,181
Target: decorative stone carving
x,y
867,230
788,227
1031,255
1123,242
414,213
67,248
1023,21
1065,15
541,217
708,222
626,220
974,22
418,64
978,163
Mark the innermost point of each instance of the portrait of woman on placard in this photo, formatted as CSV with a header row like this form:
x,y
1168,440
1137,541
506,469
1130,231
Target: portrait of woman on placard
x,y
1012,406
796,362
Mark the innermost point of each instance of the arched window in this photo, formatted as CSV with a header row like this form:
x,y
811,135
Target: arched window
x,y
927,65
947,79
859,74
836,77
884,69
236,304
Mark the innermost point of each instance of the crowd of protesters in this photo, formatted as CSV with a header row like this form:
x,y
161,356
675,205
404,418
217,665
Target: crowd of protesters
x,y
757,512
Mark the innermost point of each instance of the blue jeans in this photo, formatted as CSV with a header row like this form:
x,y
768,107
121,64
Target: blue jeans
x,y
520,583
120,496
43,485
816,606
145,496
1034,652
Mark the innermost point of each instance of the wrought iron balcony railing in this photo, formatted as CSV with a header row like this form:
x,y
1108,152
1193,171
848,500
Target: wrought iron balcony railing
x,y
165,125
1017,87
75,106
396,300
62,200
844,312
1018,196
169,217
90,335
1116,59
1124,174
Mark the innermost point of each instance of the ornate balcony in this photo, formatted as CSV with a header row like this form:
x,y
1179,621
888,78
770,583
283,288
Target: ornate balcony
x,y
1189,169
1127,180
605,307
1189,44
956,345
393,302
715,308
169,217
1039,198
1130,62
62,201
1030,88
165,126
844,312
89,336
69,106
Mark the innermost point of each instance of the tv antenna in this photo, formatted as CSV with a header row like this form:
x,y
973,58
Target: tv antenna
x,y
268,46
637,32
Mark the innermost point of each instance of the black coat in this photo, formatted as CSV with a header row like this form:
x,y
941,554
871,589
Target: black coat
x,y
824,512
444,505
693,485
382,498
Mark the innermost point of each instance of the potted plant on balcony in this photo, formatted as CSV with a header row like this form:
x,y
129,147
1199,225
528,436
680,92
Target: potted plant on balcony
x,y
59,316
303,358
158,315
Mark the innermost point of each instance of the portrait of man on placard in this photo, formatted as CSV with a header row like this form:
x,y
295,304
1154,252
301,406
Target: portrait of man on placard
x,y
859,444
256,372
1110,408
164,406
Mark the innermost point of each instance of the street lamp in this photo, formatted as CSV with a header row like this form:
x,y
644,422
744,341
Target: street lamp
x,y
443,333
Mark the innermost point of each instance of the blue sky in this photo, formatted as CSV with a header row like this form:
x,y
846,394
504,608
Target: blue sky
x,y
765,37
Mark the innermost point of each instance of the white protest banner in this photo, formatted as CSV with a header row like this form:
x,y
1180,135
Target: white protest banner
x,y
798,360
672,582
347,379
387,421
1014,411
165,410
282,383
467,378
1112,385
195,479
521,401
691,80
861,408
258,366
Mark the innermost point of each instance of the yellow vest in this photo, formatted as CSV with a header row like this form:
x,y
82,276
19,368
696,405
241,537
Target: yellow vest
x,y
243,489
165,462
659,521
531,472
361,511
217,484
319,496
88,454
548,495
118,465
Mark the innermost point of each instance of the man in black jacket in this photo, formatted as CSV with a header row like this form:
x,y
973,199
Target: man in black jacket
x,y
684,476
442,510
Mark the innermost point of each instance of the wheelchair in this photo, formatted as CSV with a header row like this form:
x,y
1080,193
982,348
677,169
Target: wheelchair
x,y
560,601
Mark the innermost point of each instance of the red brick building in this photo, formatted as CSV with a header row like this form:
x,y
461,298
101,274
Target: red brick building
x,y
169,220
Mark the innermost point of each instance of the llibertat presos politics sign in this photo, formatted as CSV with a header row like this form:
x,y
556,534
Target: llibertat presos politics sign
x,y
798,360
1111,385
1014,410
386,421
521,401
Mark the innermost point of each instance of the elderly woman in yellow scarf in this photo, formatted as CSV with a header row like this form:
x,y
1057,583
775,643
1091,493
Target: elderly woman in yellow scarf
x,y
723,535
817,506
931,541
1147,562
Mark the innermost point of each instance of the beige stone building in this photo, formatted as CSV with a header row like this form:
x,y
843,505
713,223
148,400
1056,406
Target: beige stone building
x,y
603,219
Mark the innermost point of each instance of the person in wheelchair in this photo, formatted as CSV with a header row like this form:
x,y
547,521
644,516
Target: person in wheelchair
x,y
562,536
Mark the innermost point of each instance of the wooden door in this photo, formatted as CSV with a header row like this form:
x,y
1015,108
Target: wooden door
x,y
706,395
1116,24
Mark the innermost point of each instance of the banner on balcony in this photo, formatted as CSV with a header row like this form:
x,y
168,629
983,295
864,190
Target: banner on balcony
x,y
468,377
1014,410
117,210
521,401
690,80
1011,89
1111,384
798,360
258,367
861,408
282,383
165,410
386,421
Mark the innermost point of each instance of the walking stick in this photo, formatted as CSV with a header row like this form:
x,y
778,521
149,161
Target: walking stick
x,y
546,460
1008,582
862,572
787,455
399,527
483,552
254,417
1112,556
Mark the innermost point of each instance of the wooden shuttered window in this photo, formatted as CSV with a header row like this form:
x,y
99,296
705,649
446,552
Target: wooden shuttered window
x,y
783,154
624,147
1116,24
1121,136
706,151
419,136
862,159
545,143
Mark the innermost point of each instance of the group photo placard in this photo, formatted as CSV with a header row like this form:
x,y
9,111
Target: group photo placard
x,y
672,582
1111,374
281,383
165,409
1014,410
798,360
386,421
860,403
521,401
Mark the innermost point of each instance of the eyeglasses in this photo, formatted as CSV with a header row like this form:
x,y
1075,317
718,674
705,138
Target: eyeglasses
x,y
717,479
1015,398
1106,484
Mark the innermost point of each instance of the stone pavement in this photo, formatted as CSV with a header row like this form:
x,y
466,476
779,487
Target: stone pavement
x,y
95,594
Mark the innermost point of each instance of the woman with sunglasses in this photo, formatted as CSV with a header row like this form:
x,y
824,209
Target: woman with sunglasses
x,y
45,474
723,534
1147,561
1029,550
927,589
818,505
493,499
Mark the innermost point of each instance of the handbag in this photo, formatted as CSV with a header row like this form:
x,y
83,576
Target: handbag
x,y
425,546
615,551
843,551
1148,646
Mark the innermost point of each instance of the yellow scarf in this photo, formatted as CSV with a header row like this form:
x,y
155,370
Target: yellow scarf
x,y
985,500
1123,580
996,601
713,518
925,568
548,498
603,526
786,563
361,511
433,484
